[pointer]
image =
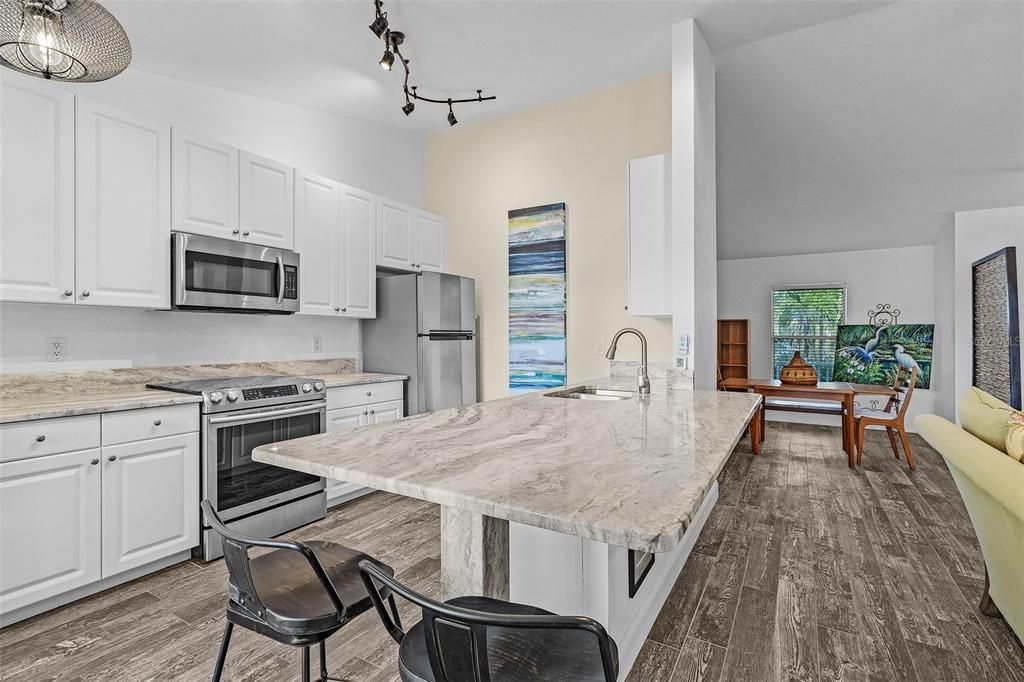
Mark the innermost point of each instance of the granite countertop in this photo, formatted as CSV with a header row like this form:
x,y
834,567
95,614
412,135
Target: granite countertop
x,y
47,395
630,473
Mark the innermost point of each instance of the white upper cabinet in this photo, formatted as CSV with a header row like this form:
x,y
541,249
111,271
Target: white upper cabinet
x,y
650,215
395,240
204,190
266,193
358,278
430,231
408,238
317,239
123,208
37,192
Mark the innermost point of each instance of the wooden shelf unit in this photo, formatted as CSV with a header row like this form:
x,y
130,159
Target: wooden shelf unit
x,y
734,349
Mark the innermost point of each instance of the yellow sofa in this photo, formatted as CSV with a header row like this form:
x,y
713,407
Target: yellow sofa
x,y
992,486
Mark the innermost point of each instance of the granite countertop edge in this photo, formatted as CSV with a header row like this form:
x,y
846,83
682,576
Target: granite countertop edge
x,y
55,406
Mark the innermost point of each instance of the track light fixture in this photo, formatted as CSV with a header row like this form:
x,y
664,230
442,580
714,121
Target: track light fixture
x,y
392,48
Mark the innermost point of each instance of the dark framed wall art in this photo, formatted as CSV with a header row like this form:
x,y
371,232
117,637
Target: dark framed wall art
x,y
996,319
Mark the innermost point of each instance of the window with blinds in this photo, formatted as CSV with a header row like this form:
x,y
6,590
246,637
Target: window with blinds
x,y
806,319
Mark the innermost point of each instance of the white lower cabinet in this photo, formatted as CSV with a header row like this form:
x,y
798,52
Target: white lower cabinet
x,y
355,415
81,520
150,501
50,526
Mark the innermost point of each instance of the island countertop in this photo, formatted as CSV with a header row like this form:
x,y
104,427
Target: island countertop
x,y
630,473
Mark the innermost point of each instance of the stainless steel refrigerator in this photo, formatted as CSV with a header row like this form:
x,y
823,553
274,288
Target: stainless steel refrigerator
x,y
426,329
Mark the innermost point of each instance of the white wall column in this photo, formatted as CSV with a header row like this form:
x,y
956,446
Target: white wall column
x,y
694,222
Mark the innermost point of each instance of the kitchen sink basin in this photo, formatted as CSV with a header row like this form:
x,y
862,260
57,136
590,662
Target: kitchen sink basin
x,y
591,393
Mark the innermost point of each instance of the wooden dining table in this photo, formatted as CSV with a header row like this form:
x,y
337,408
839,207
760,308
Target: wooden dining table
x,y
841,392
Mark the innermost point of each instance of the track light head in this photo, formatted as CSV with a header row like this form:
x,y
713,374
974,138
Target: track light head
x,y
388,60
451,116
408,108
379,25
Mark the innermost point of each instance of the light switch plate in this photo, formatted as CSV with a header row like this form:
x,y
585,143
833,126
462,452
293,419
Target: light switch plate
x,y
318,346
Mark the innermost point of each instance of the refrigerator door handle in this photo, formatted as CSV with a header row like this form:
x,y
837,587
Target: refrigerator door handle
x,y
447,336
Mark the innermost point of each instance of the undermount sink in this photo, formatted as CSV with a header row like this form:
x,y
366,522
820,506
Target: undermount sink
x,y
591,393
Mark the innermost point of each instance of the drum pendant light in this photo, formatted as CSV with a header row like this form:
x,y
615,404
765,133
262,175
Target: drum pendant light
x,y
65,40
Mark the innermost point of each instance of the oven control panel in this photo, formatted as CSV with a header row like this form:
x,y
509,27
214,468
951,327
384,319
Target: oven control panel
x,y
264,392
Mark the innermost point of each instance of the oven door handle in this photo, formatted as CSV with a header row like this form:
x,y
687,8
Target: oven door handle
x,y
259,416
280,279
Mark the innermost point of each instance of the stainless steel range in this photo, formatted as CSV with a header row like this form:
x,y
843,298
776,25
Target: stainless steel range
x,y
240,414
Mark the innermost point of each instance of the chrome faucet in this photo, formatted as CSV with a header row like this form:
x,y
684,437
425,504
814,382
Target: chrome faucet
x,y
643,382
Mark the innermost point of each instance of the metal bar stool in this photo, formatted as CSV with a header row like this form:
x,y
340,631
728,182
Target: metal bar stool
x,y
298,593
490,640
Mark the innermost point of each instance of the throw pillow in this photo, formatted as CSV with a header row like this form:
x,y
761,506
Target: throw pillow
x,y
985,417
1015,437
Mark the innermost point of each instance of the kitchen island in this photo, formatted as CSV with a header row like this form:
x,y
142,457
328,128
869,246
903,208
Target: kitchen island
x,y
583,507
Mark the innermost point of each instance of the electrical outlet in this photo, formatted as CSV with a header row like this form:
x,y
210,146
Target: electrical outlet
x,y
599,347
56,349
318,346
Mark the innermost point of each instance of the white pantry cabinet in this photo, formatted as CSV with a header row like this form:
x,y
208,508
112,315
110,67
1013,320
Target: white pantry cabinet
x,y
37,192
50,526
150,501
204,186
650,252
266,196
123,208
408,238
358,279
317,239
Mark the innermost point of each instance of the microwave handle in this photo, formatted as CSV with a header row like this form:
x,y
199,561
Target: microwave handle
x,y
280,280
259,416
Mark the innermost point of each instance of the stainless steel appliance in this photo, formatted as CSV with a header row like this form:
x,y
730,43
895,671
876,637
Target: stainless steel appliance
x,y
239,415
226,275
425,328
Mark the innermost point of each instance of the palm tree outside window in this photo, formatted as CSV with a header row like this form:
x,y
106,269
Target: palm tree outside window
x,y
806,319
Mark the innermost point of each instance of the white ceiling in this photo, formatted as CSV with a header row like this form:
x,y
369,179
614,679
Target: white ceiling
x,y
322,55
841,124
869,132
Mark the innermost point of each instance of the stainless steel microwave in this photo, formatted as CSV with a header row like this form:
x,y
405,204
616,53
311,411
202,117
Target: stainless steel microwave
x,y
222,274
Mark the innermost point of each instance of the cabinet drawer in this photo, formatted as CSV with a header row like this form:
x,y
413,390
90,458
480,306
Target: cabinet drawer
x,y
22,440
151,422
364,394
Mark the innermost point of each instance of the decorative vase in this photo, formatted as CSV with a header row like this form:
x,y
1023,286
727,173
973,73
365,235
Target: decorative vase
x,y
799,372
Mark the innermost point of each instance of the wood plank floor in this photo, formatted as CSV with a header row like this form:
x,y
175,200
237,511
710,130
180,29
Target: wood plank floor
x,y
805,571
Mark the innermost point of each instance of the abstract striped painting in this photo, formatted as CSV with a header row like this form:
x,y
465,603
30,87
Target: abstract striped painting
x,y
536,298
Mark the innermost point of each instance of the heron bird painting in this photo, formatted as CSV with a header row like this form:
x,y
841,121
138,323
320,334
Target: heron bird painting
x,y
870,354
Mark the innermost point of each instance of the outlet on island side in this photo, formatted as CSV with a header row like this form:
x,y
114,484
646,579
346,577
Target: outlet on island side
x,y
318,346
56,349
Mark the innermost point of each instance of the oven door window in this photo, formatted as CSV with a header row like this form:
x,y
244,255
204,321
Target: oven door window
x,y
218,274
240,480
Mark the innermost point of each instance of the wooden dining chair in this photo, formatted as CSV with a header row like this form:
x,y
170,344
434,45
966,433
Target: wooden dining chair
x,y
893,422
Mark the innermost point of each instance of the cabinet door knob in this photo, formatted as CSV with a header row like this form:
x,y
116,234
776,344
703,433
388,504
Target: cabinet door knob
x,y
337,310
68,292
246,233
157,422
365,413
40,438
111,458
85,293
234,231
95,461
372,412
369,393
344,310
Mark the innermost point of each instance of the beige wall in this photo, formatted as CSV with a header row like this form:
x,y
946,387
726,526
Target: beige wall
x,y
574,150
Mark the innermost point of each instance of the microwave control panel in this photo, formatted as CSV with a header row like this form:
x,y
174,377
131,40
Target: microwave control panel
x,y
291,282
